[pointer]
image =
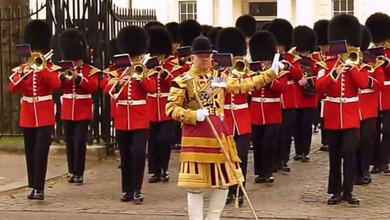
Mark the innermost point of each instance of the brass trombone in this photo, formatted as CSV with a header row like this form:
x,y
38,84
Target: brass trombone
x,y
37,62
352,57
138,70
240,66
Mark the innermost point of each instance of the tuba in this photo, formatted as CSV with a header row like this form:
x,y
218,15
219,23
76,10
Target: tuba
x,y
240,66
37,62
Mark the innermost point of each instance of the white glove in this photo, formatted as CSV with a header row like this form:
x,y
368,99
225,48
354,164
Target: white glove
x,y
201,114
275,64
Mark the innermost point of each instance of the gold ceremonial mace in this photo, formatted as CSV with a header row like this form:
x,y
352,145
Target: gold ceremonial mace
x,y
226,155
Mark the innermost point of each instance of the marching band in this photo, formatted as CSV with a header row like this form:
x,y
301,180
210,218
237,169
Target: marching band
x,y
213,92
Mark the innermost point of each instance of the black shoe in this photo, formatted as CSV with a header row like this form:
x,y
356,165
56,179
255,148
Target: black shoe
x,y
230,199
259,179
38,195
71,179
324,148
269,179
352,200
285,168
154,179
367,178
297,157
334,200
358,181
305,159
386,171
31,195
376,170
78,179
316,130
240,201
127,197
165,177
137,198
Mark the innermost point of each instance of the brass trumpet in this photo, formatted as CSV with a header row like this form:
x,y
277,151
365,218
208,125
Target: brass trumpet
x,y
240,66
68,74
138,70
352,57
37,62
184,60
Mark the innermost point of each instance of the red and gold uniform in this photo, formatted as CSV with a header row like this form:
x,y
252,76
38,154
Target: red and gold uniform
x,y
110,73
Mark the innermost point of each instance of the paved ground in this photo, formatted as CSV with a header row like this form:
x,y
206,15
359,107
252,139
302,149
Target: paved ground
x,y
299,195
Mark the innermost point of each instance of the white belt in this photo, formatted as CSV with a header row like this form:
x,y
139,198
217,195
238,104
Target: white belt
x,y
290,82
160,95
131,102
235,107
37,98
365,91
386,83
342,100
258,99
77,96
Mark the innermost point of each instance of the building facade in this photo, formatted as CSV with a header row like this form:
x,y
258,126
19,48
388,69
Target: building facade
x,y
225,12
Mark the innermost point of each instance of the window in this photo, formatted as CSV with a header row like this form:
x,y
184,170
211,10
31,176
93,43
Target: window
x,y
342,7
263,8
187,10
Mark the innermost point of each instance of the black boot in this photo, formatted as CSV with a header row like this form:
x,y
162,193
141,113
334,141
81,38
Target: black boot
x,y
138,198
324,148
269,179
71,179
38,195
305,159
230,198
297,157
367,178
79,180
285,168
240,201
31,195
376,170
127,197
259,179
358,181
334,200
165,177
155,179
351,199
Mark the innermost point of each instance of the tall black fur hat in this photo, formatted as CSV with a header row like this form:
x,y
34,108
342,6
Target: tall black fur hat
x,y
321,29
379,26
247,24
206,29
282,30
160,41
212,36
265,26
188,31
231,40
133,40
345,27
366,38
152,24
73,45
38,34
113,48
262,46
172,28
304,38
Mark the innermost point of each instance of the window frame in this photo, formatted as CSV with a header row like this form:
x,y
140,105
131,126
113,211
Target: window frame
x,y
340,11
186,13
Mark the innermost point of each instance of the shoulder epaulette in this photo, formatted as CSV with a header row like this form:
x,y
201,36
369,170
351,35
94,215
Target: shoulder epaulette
x,y
295,56
94,70
321,64
176,67
54,68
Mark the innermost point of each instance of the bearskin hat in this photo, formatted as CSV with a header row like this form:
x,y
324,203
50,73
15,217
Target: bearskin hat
x,y
73,45
304,39
321,29
366,38
160,41
206,29
247,24
133,40
345,27
212,36
282,30
152,24
38,34
231,40
188,30
262,46
172,28
379,26
113,48
265,26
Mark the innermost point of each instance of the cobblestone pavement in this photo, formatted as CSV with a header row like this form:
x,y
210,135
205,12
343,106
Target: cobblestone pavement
x,y
299,195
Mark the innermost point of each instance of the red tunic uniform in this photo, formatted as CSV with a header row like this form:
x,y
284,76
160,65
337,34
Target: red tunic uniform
x,y
295,73
110,73
157,101
131,111
341,109
37,106
266,105
77,104
384,100
369,98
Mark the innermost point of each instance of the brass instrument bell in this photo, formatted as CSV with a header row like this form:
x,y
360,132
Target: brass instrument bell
x,y
352,57
240,66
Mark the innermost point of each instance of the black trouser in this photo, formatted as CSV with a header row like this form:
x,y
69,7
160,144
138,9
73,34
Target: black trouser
x,y
287,131
132,147
177,132
317,115
367,130
303,126
342,148
382,147
76,145
159,146
264,140
37,144
323,133
242,144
